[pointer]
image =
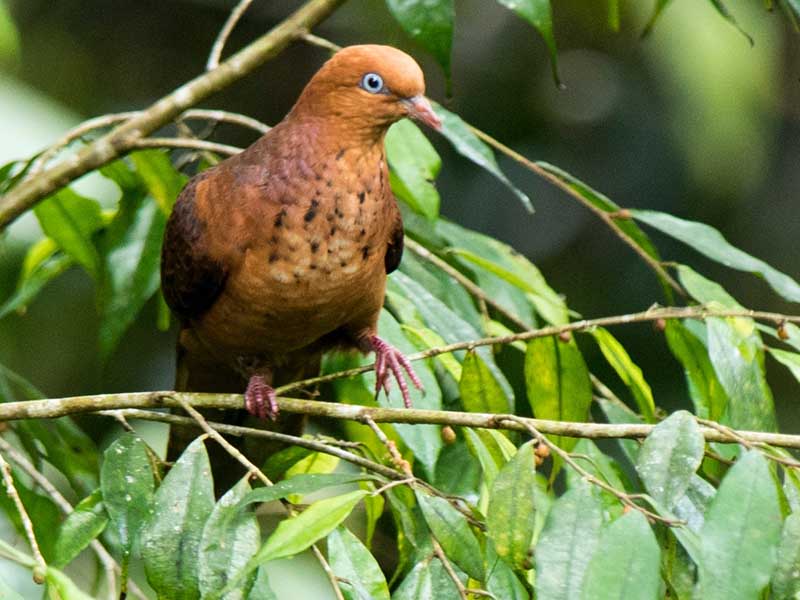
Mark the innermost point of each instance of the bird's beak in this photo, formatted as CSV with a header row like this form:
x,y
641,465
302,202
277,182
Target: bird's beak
x,y
421,110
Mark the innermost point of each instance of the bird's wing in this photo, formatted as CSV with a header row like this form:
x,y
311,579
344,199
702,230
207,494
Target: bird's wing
x,y
394,251
191,278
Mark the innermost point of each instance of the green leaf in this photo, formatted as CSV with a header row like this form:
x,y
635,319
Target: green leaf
x,y
479,390
466,143
453,533
414,166
626,563
261,588
728,16
557,382
568,541
353,563
628,371
43,513
297,533
511,516
428,22
126,481
790,360
71,220
170,538
539,14
613,15
670,456
741,533
501,579
81,526
786,577
427,579
710,242
132,255
603,467
42,263
691,507
160,178
299,484
616,412
706,391
231,537
659,7
61,587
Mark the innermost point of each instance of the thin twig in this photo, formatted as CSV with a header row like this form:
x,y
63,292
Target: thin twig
x,y
122,138
787,462
398,461
188,143
606,217
225,116
224,33
437,550
27,525
320,42
626,499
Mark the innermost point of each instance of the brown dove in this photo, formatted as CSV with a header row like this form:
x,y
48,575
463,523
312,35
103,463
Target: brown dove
x,y
281,252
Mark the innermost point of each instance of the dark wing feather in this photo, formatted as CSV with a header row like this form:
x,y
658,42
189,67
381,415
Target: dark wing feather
x,y
394,251
190,279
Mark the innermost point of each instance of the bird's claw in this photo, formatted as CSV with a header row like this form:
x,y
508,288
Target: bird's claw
x,y
260,400
389,360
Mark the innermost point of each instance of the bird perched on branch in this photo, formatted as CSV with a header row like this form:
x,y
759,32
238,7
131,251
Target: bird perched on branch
x,y
281,252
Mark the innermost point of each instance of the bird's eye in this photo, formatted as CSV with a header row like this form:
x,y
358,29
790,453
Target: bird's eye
x,y
372,82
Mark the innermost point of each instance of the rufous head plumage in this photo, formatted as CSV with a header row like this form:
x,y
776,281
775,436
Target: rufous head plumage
x,y
367,87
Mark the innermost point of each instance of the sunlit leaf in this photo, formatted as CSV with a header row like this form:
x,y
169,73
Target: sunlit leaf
x,y
557,382
415,165
160,178
669,457
567,542
479,390
360,575
539,14
298,484
470,146
428,22
170,538
741,533
81,526
626,562
786,577
628,371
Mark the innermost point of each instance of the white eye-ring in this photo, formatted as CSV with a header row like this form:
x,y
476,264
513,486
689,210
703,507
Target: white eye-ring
x,y
372,82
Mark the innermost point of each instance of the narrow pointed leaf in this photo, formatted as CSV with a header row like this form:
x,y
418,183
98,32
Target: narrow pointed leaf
x,y
298,484
726,14
470,146
126,483
669,457
453,533
626,563
557,382
231,537
170,538
710,242
628,371
81,526
160,178
428,22
539,14
742,530
414,166
790,360
353,563
567,543
511,516
42,264
479,390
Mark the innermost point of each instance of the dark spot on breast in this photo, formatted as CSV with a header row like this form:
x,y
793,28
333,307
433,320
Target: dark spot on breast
x,y
362,233
273,257
340,154
329,183
333,229
314,246
292,247
339,213
330,217
279,218
361,197
312,266
364,252
310,214
342,263
317,176
273,239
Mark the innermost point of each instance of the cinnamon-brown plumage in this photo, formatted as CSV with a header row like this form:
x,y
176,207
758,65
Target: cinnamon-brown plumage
x,y
281,252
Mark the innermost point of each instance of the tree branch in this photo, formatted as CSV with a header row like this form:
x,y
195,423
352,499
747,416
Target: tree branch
x,y
123,137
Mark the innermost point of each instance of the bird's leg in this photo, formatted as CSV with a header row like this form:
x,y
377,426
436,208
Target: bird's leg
x,y
259,398
389,360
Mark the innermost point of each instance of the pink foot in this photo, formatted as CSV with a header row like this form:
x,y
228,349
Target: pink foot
x,y
389,360
259,399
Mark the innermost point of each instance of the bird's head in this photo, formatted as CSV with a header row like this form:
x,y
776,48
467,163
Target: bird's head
x,y
368,87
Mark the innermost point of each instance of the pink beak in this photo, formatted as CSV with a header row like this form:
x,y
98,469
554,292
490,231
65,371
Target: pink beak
x,y
421,110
